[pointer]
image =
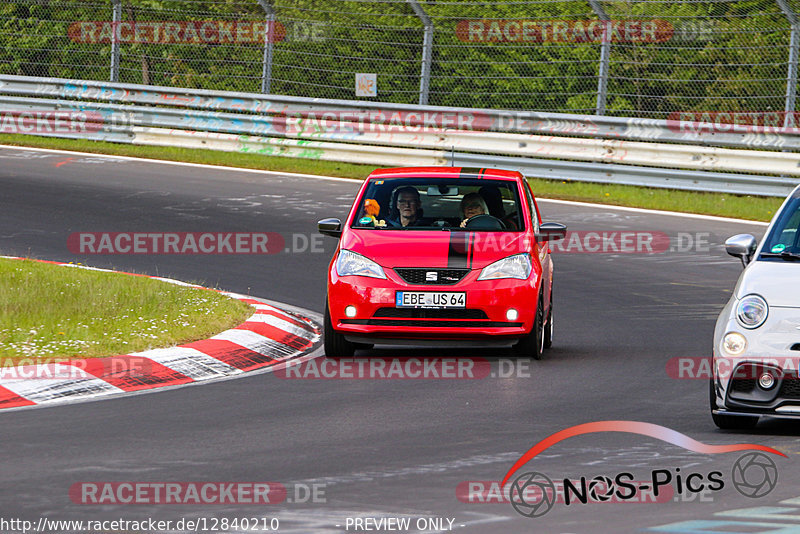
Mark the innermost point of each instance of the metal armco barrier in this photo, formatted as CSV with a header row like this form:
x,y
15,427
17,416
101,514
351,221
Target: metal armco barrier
x,y
630,151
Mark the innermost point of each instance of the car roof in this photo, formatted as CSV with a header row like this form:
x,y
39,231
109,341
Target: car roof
x,y
444,172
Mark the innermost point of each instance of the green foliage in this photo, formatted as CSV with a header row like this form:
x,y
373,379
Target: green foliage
x,y
711,56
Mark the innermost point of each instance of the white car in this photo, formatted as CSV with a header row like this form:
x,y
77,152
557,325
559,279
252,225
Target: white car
x,y
757,336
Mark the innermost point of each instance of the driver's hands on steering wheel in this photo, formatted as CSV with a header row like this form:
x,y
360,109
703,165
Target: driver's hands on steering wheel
x,y
483,222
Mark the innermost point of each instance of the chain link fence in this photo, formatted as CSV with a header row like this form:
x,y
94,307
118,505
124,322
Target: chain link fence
x,y
648,58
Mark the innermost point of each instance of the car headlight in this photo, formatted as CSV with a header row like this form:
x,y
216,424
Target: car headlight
x,y
752,311
516,266
734,343
351,264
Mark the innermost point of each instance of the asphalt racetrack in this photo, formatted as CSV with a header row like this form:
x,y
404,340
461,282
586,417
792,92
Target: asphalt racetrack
x,y
380,448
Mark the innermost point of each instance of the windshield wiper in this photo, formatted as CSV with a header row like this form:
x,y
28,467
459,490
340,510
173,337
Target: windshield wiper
x,y
788,256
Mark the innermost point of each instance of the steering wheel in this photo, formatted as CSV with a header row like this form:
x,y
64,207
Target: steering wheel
x,y
484,222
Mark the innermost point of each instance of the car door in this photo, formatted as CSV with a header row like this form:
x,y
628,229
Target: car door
x,y
542,250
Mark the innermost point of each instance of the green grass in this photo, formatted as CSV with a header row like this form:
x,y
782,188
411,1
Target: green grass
x,y
50,312
724,205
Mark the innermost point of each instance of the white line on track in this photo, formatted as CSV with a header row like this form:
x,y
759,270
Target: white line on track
x,y
652,212
180,163
337,179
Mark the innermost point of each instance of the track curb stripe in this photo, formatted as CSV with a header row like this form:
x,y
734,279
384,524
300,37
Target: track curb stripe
x,y
132,373
9,399
270,336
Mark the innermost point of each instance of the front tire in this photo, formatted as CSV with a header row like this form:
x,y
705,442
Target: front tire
x,y
336,346
532,344
729,422
548,329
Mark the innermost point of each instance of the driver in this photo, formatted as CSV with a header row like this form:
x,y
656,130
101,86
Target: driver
x,y
408,207
471,205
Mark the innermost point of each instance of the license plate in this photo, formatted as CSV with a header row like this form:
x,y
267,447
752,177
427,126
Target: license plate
x,y
430,299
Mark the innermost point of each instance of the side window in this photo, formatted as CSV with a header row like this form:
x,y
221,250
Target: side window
x,y
534,216
789,236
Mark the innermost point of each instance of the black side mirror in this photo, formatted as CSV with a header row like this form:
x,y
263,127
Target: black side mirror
x,y
742,246
551,231
331,227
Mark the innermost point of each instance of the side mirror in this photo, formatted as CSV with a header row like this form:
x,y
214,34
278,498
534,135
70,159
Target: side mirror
x,y
331,227
742,246
551,231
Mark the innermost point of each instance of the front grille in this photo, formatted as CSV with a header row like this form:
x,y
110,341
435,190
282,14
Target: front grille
x,y
430,323
790,389
425,313
444,277
743,385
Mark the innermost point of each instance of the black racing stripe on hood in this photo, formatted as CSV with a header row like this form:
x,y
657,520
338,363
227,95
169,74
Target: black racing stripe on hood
x,y
457,257
471,252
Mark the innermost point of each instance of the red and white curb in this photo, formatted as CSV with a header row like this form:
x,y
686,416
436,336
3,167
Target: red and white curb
x,y
267,340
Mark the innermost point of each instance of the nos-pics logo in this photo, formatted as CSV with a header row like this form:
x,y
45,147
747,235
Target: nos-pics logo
x,y
533,494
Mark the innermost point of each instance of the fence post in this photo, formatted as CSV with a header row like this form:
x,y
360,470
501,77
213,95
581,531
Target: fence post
x,y
605,55
427,52
116,14
791,75
269,39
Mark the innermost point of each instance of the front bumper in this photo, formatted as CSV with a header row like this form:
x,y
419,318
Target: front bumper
x,y
777,414
771,348
484,317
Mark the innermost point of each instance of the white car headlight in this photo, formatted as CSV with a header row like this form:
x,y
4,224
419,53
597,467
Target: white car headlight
x,y
516,266
752,311
351,264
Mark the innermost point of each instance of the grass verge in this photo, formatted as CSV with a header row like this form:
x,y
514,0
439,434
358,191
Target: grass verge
x,y
723,205
50,312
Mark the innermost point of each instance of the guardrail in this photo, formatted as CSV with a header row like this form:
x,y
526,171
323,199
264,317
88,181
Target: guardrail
x,y
557,146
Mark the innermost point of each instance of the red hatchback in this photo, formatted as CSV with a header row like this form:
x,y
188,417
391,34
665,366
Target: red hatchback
x,y
436,255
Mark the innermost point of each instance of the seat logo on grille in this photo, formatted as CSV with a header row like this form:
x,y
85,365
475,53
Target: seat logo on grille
x,y
431,276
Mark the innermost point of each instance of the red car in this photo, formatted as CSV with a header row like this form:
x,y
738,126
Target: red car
x,y
441,255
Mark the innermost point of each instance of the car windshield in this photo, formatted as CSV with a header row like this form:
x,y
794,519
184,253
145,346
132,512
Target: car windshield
x,y
454,204
784,239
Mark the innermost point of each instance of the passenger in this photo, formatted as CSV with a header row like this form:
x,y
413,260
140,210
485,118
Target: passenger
x,y
471,205
494,200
